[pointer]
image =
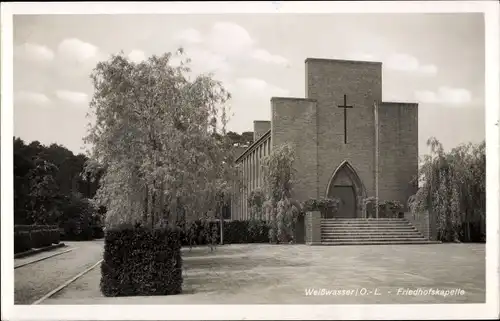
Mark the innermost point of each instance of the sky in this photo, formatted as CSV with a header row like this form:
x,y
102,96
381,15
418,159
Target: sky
x,y
436,60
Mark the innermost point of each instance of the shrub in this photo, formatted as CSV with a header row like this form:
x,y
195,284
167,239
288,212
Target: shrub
x,y
141,261
97,224
327,206
27,237
22,241
97,232
258,231
256,201
40,238
55,235
235,232
286,218
386,209
77,217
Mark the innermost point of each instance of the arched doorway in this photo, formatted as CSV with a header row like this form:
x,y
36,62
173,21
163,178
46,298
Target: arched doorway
x,y
346,186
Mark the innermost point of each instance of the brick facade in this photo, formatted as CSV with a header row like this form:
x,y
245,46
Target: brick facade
x,y
314,126
398,160
293,121
260,127
313,228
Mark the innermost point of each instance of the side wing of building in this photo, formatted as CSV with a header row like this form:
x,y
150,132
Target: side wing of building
x,y
251,176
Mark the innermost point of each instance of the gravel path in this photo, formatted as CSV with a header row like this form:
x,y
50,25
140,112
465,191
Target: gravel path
x,y
42,255
33,281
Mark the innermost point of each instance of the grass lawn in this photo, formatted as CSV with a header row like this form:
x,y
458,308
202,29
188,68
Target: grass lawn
x,y
280,274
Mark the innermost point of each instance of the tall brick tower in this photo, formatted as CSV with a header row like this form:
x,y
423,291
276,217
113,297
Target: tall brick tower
x,y
333,133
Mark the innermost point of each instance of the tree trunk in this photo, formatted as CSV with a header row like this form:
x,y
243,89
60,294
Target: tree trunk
x,y
146,201
153,206
221,226
161,209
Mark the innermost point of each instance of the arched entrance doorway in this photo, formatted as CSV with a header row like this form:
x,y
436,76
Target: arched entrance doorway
x,y
346,186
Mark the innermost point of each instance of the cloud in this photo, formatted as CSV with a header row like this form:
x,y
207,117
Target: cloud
x,y
250,100
229,39
30,97
444,95
137,56
408,63
264,56
72,96
362,56
73,49
175,61
226,41
429,69
34,52
257,87
398,62
208,61
204,61
189,36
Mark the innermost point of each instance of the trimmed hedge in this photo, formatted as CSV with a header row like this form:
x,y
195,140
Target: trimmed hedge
x,y
235,232
27,237
140,261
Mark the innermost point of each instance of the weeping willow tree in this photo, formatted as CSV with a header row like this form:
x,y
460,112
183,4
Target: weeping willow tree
x,y
156,132
281,209
453,187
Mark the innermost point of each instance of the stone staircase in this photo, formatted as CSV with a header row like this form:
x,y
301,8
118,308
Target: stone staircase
x,y
370,232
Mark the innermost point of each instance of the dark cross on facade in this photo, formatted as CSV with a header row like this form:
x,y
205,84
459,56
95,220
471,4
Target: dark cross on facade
x,y
345,117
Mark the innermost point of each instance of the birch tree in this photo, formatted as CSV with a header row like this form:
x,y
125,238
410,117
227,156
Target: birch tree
x,y
453,188
281,209
155,134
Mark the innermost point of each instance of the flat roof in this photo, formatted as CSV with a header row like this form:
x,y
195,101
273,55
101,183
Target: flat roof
x,y
255,143
342,61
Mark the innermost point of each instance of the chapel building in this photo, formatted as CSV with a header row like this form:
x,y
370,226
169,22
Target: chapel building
x,y
333,131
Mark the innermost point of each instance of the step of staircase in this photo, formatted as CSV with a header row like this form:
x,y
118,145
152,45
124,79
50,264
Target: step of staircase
x,y
391,242
361,223
363,219
365,227
374,238
370,232
365,223
376,234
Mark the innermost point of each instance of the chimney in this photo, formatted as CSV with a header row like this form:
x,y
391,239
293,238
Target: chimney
x,y
260,127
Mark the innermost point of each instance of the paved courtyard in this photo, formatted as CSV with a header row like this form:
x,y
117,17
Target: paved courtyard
x,y
261,273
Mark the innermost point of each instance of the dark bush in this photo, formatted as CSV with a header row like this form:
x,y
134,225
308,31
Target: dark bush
x,y
27,237
97,232
473,232
327,206
386,209
22,241
140,261
258,232
77,218
235,232
41,238
55,235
